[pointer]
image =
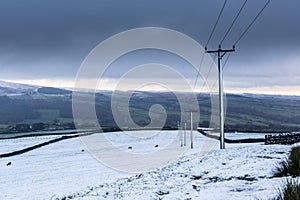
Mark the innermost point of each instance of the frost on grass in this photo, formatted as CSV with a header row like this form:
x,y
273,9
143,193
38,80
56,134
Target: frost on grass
x,y
290,166
289,190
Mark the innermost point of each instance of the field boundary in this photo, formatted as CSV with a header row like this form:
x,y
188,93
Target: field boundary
x,y
250,140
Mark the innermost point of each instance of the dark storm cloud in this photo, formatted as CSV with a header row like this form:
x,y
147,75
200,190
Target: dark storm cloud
x,y
52,38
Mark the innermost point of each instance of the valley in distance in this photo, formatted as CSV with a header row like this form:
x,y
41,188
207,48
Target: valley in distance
x,y
26,108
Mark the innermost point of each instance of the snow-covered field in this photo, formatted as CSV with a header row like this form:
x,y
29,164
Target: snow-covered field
x,y
67,169
10,145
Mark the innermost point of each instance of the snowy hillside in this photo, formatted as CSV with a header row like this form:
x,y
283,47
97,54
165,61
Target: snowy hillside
x,y
66,169
17,86
7,88
241,171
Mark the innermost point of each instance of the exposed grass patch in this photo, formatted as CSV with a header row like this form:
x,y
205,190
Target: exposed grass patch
x,y
290,190
196,177
246,178
290,166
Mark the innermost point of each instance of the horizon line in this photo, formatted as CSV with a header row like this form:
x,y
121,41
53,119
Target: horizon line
x,y
69,87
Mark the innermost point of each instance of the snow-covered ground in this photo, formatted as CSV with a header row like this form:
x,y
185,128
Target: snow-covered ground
x,y
67,169
10,145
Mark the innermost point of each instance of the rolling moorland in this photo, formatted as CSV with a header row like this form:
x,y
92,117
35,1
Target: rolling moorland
x,y
44,108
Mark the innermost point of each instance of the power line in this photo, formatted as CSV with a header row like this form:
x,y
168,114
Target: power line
x,y
228,31
198,72
236,17
246,30
226,59
223,66
210,36
214,27
210,67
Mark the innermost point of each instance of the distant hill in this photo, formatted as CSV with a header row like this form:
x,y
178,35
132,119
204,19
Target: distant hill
x,y
51,90
246,112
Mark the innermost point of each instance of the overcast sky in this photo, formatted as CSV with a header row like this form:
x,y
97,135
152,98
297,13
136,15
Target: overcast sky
x,y
45,42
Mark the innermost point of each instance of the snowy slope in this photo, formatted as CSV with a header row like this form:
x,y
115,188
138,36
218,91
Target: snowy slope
x,y
66,169
8,88
17,86
241,171
58,168
10,145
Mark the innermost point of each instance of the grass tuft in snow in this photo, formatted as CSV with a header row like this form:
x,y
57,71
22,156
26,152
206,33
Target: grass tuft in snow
x,y
290,190
289,166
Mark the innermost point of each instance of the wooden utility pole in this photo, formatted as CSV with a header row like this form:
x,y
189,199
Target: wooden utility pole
x,y
221,52
191,126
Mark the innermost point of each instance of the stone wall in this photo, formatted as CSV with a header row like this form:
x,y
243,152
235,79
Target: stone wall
x,y
283,138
